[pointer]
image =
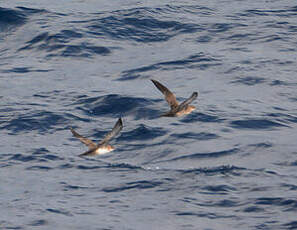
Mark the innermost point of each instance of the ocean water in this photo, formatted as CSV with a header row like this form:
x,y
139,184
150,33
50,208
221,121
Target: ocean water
x,y
231,164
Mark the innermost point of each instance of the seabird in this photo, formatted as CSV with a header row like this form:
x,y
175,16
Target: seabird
x,y
102,147
176,109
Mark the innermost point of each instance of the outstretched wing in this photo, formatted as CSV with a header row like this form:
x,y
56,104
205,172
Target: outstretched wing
x,y
84,140
188,101
115,130
169,96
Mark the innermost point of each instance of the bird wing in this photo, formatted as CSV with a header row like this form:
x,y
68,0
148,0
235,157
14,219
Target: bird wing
x,y
188,101
84,140
115,130
169,96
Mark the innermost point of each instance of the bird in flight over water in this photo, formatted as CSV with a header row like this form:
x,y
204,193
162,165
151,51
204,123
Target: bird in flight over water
x,y
176,109
103,146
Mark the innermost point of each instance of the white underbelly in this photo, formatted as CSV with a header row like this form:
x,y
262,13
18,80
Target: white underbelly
x,y
103,150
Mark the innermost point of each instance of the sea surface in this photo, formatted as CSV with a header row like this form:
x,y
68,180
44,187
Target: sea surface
x,y
231,164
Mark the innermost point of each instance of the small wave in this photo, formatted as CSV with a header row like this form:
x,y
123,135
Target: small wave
x,y
196,136
289,204
22,158
13,18
114,105
209,215
68,187
283,118
40,222
253,209
59,211
215,170
261,145
25,70
257,124
39,168
58,45
88,167
10,19
144,184
290,11
223,27
196,61
218,189
41,121
140,25
34,157
207,155
142,133
250,81
291,225
202,117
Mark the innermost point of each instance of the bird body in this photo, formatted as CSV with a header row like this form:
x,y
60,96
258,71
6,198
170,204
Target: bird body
x,y
102,147
176,109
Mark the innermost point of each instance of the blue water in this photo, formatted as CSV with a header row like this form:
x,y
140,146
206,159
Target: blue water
x,y
231,164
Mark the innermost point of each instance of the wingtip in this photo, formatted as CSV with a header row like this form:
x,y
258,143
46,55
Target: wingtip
x,y
72,131
159,85
120,121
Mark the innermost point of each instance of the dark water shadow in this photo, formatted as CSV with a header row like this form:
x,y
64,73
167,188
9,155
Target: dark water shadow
x,y
287,204
195,156
138,24
41,155
60,211
202,117
59,44
10,19
256,124
290,225
207,155
114,105
250,81
286,12
21,70
39,222
203,136
40,121
197,61
142,133
138,185
224,169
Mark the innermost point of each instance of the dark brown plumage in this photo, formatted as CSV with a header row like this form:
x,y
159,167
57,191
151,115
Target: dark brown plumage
x,y
102,147
176,109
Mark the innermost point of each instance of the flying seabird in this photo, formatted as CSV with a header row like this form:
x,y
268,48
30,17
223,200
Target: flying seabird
x,y
102,147
176,109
